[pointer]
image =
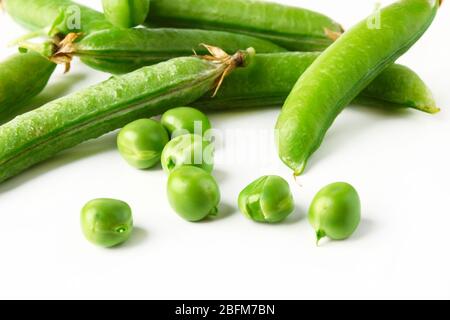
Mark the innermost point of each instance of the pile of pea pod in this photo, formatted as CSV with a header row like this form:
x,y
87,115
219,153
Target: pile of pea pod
x,y
210,55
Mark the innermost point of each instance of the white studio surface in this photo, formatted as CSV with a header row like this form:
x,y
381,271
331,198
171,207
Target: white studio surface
x,y
399,163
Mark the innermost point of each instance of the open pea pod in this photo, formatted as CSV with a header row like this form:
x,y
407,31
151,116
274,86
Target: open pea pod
x,y
290,27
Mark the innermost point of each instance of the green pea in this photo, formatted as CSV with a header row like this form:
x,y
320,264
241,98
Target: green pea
x,y
193,193
341,73
107,222
188,149
184,120
141,143
268,199
335,211
126,13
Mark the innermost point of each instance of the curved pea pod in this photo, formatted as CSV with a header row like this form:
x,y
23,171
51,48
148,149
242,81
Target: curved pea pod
x,y
92,112
342,72
63,16
290,27
124,50
126,13
22,77
269,79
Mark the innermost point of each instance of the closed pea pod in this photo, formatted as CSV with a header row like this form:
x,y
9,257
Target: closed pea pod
x,y
22,77
126,13
290,27
92,112
63,16
270,78
124,50
342,72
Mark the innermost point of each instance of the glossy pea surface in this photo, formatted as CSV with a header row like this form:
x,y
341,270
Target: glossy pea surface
x,y
341,72
335,211
107,222
126,13
193,193
268,199
188,149
141,143
184,120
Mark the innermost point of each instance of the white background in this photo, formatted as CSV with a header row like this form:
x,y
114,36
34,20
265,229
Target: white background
x,y
399,162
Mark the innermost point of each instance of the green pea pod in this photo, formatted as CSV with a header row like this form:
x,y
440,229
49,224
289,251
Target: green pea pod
x,y
342,72
126,13
63,16
268,81
120,51
92,112
22,77
292,28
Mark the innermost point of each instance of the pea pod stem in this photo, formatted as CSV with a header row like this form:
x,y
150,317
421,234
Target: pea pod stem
x,y
342,72
90,113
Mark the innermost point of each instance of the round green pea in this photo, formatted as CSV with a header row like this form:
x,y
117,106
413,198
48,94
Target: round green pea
x,y
141,143
335,211
268,199
193,193
185,120
188,149
106,222
126,13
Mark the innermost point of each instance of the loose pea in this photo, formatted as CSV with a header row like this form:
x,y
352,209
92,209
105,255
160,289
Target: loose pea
x,y
335,211
126,13
184,120
141,143
107,222
268,199
188,149
193,193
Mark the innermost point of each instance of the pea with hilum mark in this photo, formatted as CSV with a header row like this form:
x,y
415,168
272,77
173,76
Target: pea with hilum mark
x,y
268,199
92,112
342,72
107,222
193,193
141,143
335,211
188,149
